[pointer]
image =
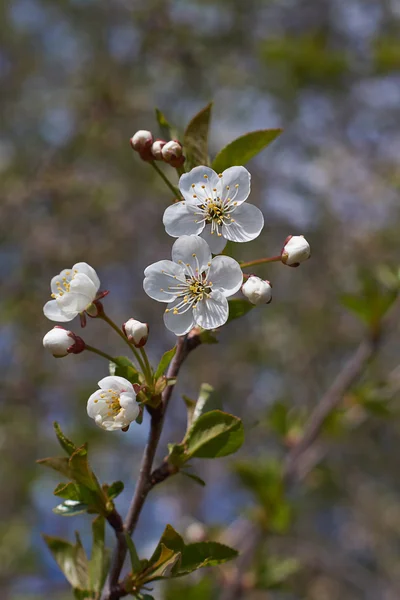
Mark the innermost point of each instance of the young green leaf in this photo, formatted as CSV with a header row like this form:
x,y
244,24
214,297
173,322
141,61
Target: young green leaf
x,y
135,560
213,435
164,362
100,557
123,367
65,443
241,150
70,508
80,470
203,400
195,139
115,489
60,464
168,132
71,559
203,554
194,477
238,308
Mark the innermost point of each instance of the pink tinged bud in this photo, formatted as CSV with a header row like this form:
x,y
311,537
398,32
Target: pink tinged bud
x,y
136,332
257,291
295,251
156,149
142,140
172,153
61,342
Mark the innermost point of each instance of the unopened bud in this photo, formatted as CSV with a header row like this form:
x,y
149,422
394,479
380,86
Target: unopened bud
x,y
136,332
156,149
142,140
172,153
257,291
295,251
61,342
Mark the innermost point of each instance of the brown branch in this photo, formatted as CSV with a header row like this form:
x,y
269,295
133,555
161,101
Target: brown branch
x,y
112,589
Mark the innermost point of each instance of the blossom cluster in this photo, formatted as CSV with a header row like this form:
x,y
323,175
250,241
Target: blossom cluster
x,y
195,284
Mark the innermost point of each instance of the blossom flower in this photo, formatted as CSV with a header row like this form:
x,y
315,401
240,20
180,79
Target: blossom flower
x,y
195,286
257,291
172,153
142,140
61,342
156,149
73,290
213,207
295,251
114,405
136,332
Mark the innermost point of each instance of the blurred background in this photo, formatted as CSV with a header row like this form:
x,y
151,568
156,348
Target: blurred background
x,y
78,78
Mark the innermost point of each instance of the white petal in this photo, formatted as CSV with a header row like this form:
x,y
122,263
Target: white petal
x,y
58,279
198,176
158,279
216,242
117,384
226,275
53,312
179,219
83,267
248,223
96,405
130,406
212,312
180,323
188,245
232,177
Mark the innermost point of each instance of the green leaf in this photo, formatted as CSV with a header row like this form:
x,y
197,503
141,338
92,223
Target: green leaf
x,y
115,489
79,467
171,539
60,464
65,443
100,557
168,132
135,560
176,454
71,559
195,139
213,435
241,150
238,308
206,337
203,400
70,508
203,554
164,564
164,362
194,477
123,367
73,491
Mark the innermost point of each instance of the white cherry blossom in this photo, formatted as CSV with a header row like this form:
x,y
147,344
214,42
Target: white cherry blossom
x,y
214,208
114,405
73,290
295,251
194,284
257,290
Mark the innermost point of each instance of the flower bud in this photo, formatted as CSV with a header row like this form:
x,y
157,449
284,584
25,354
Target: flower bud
x,y
142,140
257,291
136,332
295,251
157,148
172,153
61,342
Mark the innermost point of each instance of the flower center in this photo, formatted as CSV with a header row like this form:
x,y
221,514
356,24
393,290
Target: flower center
x,y
64,284
215,209
111,399
192,288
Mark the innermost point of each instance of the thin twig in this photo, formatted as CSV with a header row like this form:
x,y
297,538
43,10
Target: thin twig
x,y
112,590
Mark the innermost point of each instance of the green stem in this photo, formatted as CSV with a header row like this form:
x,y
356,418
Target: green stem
x,y
149,375
107,319
173,189
99,352
260,261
